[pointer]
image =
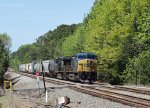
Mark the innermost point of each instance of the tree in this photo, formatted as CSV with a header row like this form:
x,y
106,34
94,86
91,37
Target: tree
x,y
117,31
5,43
138,69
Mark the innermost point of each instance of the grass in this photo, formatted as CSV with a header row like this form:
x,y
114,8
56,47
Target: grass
x,y
0,105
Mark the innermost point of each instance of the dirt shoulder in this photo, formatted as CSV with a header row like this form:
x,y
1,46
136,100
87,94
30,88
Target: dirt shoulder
x,y
25,92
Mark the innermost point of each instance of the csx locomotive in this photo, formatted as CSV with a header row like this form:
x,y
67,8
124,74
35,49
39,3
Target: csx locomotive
x,y
80,67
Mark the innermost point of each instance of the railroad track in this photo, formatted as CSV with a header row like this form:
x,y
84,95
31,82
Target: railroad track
x,y
117,97
50,80
141,91
123,88
106,94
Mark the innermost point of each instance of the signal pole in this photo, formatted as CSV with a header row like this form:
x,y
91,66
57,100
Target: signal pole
x,y
43,77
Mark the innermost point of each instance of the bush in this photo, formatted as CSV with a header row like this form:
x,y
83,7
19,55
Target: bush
x,y
4,55
138,69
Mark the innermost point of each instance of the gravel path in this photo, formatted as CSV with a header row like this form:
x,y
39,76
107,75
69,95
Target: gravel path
x,y
78,100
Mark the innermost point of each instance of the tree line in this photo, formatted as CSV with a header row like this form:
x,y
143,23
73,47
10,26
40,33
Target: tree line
x,y
47,46
5,43
117,31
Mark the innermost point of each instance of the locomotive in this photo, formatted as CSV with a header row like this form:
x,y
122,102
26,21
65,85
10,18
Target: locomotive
x,y
80,67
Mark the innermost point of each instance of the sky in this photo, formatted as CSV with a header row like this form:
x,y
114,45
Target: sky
x,y
25,20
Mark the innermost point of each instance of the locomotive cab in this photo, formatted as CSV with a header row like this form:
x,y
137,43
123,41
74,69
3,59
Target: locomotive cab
x,y
87,68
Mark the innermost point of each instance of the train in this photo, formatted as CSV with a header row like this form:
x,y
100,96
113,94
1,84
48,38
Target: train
x,y
80,67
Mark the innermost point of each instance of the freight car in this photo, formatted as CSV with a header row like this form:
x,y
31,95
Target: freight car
x,y
79,67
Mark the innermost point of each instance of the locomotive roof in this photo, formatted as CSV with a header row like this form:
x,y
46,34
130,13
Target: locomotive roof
x,y
65,58
84,53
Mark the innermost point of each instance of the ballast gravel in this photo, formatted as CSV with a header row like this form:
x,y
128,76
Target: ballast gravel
x,y
78,100
81,100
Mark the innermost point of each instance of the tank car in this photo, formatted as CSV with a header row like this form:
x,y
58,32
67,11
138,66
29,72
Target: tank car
x,y
49,67
52,68
27,67
37,67
22,67
45,65
30,68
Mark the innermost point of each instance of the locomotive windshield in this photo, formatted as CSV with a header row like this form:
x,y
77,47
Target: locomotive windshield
x,y
91,56
86,56
82,56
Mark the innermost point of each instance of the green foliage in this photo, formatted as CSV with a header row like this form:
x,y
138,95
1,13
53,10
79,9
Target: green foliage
x,y
5,43
25,54
118,31
14,63
50,44
74,43
46,47
139,65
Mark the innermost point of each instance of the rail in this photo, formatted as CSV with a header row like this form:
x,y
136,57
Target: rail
x,y
110,95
